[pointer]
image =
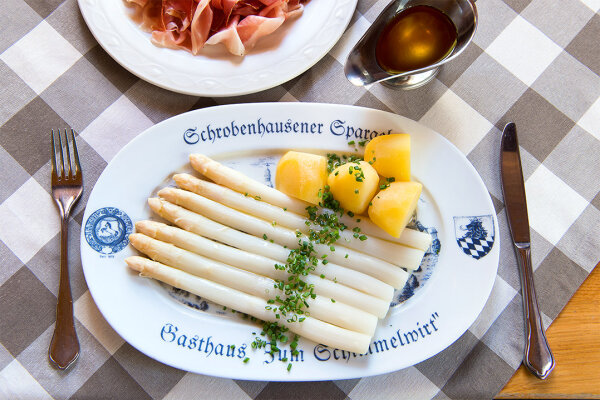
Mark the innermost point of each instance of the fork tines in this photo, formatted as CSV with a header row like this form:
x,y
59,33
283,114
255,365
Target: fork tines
x,y
73,170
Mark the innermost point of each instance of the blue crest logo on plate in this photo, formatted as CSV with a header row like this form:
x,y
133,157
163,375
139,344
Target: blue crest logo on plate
x,y
475,235
107,230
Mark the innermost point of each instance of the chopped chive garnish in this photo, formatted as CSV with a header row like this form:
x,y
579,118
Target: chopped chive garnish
x,y
324,227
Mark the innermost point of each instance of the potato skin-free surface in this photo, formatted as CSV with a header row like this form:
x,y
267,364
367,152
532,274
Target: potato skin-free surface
x,y
392,208
390,156
354,193
302,175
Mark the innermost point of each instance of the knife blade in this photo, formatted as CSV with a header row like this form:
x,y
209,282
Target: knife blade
x,y
513,186
537,356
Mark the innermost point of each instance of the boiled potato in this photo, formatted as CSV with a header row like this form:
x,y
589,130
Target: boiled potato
x,y
353,185
392,208
302,175
390,156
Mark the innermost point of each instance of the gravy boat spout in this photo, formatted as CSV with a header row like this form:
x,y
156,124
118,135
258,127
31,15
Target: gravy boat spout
x,y
362,67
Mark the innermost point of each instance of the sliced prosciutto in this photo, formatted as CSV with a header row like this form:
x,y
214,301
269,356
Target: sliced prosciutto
x,y
192,24
229,37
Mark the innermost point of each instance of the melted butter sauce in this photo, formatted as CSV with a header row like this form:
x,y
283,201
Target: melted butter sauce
x,y
416,38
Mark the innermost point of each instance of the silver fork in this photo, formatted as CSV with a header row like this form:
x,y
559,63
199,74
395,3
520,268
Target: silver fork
x,y
67,186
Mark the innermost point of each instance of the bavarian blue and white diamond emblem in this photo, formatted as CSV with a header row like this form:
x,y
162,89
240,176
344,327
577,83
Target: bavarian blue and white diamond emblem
x,y
107,230
475,235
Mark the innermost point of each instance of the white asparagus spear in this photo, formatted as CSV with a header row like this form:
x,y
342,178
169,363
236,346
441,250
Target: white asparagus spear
x,y
394,253
237,181
203,226
408,237
382,270
311,328
259,265
333,312
195,264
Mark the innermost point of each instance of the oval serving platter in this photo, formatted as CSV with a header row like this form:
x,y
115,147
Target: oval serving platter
x,y
436,307
289,51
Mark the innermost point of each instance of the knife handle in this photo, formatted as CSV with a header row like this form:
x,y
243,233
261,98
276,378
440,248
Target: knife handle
x,y
538,357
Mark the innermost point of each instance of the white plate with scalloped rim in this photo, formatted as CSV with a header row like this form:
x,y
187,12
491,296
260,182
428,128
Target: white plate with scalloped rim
x,y
277,58
187,333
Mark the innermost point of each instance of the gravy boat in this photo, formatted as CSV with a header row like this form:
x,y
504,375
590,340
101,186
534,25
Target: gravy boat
x,y
362,68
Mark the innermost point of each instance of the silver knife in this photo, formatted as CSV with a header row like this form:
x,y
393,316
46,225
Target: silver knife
x,y
538,357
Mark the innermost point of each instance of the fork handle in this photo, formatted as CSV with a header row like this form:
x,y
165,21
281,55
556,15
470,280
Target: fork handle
x,y
538,357
64,347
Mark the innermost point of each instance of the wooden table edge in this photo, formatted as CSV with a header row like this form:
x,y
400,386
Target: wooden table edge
x,y
574,338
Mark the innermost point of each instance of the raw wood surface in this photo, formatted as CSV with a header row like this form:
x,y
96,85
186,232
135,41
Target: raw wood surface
x,y
574,338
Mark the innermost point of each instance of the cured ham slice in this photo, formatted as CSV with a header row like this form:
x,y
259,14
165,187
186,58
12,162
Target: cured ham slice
x,y
174,20
230,38
171,39
253,27
191,24
148,15
200,27
139,3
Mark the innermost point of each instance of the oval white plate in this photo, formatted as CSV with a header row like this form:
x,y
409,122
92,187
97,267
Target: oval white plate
x,y
289,51
143,313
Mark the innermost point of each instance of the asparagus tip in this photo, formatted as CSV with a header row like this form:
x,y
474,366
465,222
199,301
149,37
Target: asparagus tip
x,y
178,177
136,263
184,180
166,192
148,227
155,203
199,162
135,238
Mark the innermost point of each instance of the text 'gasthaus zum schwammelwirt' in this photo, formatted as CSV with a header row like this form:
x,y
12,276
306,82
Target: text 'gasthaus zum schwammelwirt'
x,y
210,346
